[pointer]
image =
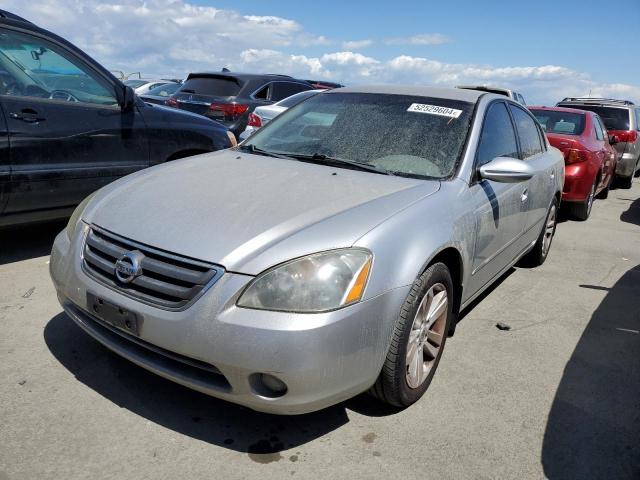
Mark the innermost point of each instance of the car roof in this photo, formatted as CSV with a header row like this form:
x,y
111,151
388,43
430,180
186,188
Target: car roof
x,y
561,109
609,102
470,96
245,76
4,14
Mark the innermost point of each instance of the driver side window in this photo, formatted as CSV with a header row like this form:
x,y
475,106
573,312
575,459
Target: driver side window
x,y
498,139
32,67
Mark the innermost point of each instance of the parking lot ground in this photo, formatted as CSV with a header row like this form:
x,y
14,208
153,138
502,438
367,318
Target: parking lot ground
x,y
558,395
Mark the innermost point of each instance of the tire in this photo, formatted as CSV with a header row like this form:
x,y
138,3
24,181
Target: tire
x,y
538,254
604,193
582,210
401,382
625,182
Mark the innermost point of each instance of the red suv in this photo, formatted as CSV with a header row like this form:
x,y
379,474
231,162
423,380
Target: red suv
x,y
589,157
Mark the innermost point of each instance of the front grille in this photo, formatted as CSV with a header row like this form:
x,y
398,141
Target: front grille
x,y
167,280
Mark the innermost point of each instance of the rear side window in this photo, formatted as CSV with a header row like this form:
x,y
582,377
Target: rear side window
x,y
498,138
563,123
527,132
282,90
219,87
598,128
613,118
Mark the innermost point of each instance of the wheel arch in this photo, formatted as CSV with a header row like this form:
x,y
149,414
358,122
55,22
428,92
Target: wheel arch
x,y
452,258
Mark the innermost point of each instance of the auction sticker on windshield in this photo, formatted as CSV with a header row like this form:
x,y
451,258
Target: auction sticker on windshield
x,y
434,110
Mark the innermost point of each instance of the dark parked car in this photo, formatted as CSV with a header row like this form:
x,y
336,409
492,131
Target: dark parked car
x,y
68,126
231,97
161,94
622,119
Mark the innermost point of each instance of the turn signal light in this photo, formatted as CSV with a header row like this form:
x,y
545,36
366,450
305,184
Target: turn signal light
x,y
232,110
625,135
254,121
571,155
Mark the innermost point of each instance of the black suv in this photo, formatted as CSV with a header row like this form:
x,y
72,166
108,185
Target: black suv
x,y
231,97
68,126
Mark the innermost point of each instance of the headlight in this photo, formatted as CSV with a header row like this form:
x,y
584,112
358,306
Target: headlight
x,y
76,216
315,283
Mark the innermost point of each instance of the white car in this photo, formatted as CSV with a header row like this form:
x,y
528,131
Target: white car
x,y
142,86
512,94
262,115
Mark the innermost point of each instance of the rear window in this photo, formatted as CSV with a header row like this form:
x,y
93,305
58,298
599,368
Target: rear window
x,y
220,87
134,83
613,118
296,99
563,123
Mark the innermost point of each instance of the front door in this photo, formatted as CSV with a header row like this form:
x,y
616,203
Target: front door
x,y
500,208
68,136
5,172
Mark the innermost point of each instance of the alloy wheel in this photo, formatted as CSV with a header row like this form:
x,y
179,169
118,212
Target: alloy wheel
x,y
427,335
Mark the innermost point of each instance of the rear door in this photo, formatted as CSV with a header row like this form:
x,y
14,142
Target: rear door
x,y
607,152
68,134
533,150
5,171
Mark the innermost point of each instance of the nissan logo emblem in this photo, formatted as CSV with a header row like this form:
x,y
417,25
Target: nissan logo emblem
x,y
129,266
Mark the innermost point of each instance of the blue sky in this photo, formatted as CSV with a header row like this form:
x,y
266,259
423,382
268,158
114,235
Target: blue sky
x,y
545,49
575,34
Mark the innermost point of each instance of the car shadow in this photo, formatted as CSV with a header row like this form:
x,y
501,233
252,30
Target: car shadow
x,y
632,214
30,241
593,428
262,436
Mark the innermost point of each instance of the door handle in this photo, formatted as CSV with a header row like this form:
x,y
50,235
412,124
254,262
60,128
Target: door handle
x,y
27,115
524,196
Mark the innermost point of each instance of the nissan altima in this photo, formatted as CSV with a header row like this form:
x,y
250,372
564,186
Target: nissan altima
x,y
328,255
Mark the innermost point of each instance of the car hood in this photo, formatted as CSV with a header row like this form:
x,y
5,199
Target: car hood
x,y
248,212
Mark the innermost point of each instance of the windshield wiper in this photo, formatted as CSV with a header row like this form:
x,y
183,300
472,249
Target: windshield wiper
x,y
259,151
327,160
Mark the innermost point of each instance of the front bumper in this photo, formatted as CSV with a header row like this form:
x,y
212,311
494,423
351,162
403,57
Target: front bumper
x,y
322,358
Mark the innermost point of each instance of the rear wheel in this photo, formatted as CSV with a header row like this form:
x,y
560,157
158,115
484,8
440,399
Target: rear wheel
x,y
418,339
540,250
582,210
625,182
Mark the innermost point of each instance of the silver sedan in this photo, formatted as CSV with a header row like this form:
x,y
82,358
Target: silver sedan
x,y
328,255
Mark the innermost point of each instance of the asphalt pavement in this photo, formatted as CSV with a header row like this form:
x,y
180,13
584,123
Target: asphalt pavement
x,y
557,395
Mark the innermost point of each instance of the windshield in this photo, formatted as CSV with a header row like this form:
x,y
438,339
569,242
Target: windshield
x,y
405,135
613,118
564,123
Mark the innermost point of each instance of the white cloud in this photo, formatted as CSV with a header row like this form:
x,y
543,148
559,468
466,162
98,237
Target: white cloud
x,y
173,37
356,44
420,39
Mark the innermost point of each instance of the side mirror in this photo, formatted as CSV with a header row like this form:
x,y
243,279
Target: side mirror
x,y
613,139
506,170
128,99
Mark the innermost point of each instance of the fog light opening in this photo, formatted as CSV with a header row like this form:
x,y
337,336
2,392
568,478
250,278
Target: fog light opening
x,y
266,385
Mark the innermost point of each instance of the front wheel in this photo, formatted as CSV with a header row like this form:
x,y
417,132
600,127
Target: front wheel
x,y
540,250
418,339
